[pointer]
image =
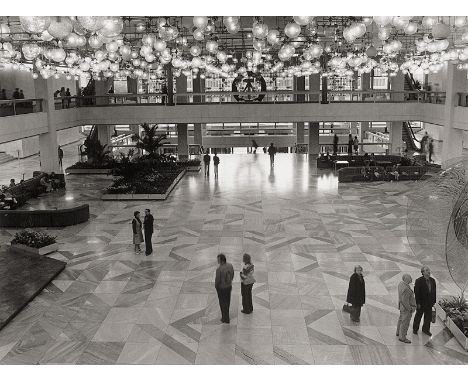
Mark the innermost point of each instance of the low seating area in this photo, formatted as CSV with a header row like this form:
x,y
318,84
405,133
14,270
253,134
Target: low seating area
x,y
357,160
32,188
355,174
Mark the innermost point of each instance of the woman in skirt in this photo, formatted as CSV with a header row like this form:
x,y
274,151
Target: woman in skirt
x,y
137,231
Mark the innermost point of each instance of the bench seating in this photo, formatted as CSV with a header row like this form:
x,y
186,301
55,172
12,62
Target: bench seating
x,y
353,174
44,218
355,160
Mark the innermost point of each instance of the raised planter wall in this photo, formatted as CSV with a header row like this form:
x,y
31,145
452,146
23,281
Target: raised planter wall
x,y
35,251
145,196
88,171
450,325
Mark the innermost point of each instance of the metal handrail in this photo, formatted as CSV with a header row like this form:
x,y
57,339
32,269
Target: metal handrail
x,y
20,106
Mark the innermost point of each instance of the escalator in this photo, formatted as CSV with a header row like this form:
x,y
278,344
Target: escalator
x,y
408,136
411,85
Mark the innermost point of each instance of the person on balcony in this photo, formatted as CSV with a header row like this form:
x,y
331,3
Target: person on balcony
x,y
3,95
63,95
350,144
356,145
68,95
16,94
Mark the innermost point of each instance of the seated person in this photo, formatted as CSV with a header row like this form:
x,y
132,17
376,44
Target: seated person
x,y
395,173
54,181
8,202
12,183
377,174
372,159
365,173
46,183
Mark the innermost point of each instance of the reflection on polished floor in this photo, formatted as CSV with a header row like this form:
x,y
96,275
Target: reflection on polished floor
x,y
305,234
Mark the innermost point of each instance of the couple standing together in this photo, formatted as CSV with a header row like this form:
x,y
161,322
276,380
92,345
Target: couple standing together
x,y
223,284
139,227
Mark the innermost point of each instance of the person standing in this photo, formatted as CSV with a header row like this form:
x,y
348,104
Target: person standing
x,y
3,95
63,96
255,146
430,149
60,156
148,229
356,293
206,161
16,94
350,144
68,95
223,285
271,153
356,145
406,306
425,292
247,282
335,144
216,163
424,141
137,234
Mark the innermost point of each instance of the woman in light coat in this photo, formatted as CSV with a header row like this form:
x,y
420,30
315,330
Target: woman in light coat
x,y
137,231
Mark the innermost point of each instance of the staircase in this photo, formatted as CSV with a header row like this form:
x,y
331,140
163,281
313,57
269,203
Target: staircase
x,y
410,85
407,136
4,158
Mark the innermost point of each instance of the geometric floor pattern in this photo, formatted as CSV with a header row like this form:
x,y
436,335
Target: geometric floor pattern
x,y
305,233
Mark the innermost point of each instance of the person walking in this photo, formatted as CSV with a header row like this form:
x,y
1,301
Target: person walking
x,y
247,282
356,145
148,229
68,95
206,161
335,144
137,234
425,293
350,144
60,156
63,96
216,163
356,293
223,285
255,146
406,306
271,153
430,149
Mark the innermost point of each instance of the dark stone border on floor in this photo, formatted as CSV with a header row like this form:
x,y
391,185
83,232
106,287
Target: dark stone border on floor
x,y
22,277
145,196
87,171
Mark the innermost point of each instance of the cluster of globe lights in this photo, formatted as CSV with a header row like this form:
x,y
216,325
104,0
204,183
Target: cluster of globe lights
x,y
94,46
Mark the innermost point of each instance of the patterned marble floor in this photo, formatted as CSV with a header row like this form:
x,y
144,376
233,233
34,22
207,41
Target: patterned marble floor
x,y
305,233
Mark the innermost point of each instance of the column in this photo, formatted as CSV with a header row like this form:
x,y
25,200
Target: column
x,y
181,87
455,82
299,132
314,86
104,132
299,85
48,147
198,85
314,146
170,84
323,61
197,134
397,84
396,139
182,140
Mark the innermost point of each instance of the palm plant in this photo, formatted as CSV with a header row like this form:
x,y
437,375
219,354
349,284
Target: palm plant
x,y
150,141
97,152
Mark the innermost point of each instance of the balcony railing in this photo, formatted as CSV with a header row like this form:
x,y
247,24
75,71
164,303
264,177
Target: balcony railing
x,y
268,97
20,106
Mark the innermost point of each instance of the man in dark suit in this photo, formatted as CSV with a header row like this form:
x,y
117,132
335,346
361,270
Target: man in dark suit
x,y
425,293
148,227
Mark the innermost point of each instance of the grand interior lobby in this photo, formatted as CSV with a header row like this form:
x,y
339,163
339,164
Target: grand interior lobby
x,y
318,145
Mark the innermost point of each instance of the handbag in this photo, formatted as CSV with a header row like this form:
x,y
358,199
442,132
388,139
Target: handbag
x,y
346,308
434,315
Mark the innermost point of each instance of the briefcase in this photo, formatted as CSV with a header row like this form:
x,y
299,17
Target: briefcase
x,y
346,308
434,315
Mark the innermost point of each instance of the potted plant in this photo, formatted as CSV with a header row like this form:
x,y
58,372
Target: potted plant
x,y
38,243
150,142
456,316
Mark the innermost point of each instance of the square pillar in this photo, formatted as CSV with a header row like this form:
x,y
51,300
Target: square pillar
x,y
198,86
181,87
314,146
455,80
397,84
48,147
102,89
314,86
299,132
197,134
299,85
182,141
396,139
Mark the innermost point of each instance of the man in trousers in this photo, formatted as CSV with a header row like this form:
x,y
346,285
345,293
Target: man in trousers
x,y
425,293
148,228
223,284
407,306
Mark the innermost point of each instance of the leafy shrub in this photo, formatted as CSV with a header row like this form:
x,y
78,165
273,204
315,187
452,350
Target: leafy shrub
x,y
93,165
33,239
189,162
457,309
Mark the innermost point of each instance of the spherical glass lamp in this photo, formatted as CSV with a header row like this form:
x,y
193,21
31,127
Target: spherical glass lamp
x,y
440,31
4,30
259,30
200,22
31,51
302,20
411,28
46,36
221,56
292,30
91,23
112,46
233,28
160,45
460,21
60,27
211,46
198,35
383,20
95,42
168,33
259,45
273,37
195,50
35,24
111,27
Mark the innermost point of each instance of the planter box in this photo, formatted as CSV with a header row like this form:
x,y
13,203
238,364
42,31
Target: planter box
x,y
88,171
454,329
35,251
193,168
145,196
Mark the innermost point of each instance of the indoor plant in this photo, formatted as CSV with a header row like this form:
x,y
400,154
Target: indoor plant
x,y
34,242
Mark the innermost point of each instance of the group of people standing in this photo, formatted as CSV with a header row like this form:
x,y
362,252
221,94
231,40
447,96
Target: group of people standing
x,y
207,160
17,94
421,300
353,144
145,227
65,96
